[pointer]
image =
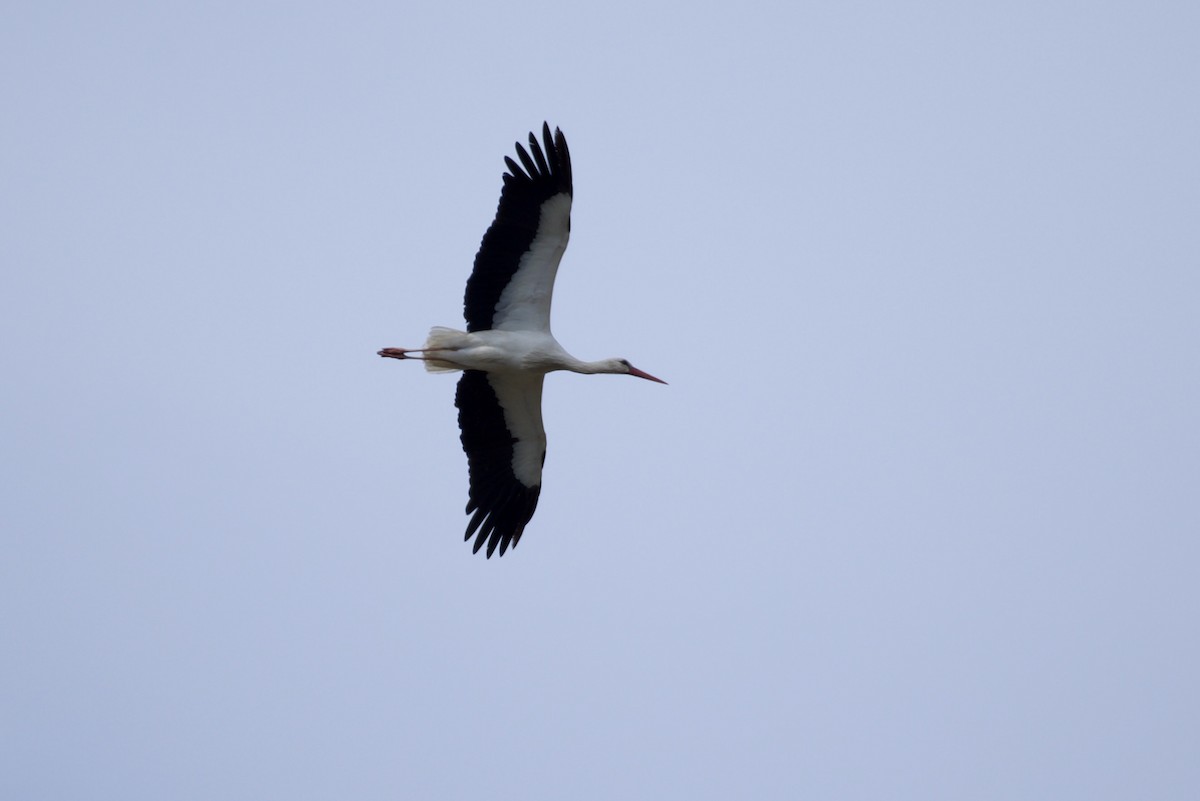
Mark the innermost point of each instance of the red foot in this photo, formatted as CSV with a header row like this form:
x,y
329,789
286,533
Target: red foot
x,y
394,353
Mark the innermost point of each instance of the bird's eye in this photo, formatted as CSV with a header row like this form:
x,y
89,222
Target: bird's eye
x,y
624,362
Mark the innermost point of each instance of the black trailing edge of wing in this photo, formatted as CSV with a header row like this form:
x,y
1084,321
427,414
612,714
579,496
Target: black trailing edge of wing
x,y
544,171
501,504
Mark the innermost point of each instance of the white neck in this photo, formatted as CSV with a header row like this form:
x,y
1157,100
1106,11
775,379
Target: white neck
x,y
592,368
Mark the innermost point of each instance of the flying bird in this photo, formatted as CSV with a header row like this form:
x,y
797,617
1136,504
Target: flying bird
x,y
507,348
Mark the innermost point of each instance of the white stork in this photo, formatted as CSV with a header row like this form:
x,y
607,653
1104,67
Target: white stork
x,y
507,348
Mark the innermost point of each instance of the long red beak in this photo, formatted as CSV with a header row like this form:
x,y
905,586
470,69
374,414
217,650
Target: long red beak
x,y
640,374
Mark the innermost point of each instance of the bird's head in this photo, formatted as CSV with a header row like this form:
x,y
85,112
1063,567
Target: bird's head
x,y
623,366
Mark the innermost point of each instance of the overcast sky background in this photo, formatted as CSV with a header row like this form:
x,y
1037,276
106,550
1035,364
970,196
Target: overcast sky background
x,y
916,518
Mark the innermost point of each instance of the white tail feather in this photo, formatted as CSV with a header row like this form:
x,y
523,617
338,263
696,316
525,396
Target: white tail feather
x,y
444,339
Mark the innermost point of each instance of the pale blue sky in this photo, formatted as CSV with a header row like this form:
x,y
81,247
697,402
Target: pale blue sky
x,y
916,518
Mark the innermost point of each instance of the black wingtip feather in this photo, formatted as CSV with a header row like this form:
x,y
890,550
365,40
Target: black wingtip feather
x,y
531,167
538,156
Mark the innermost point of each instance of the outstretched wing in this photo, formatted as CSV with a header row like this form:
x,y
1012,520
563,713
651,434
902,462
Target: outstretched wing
x,y
500,415
513,279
